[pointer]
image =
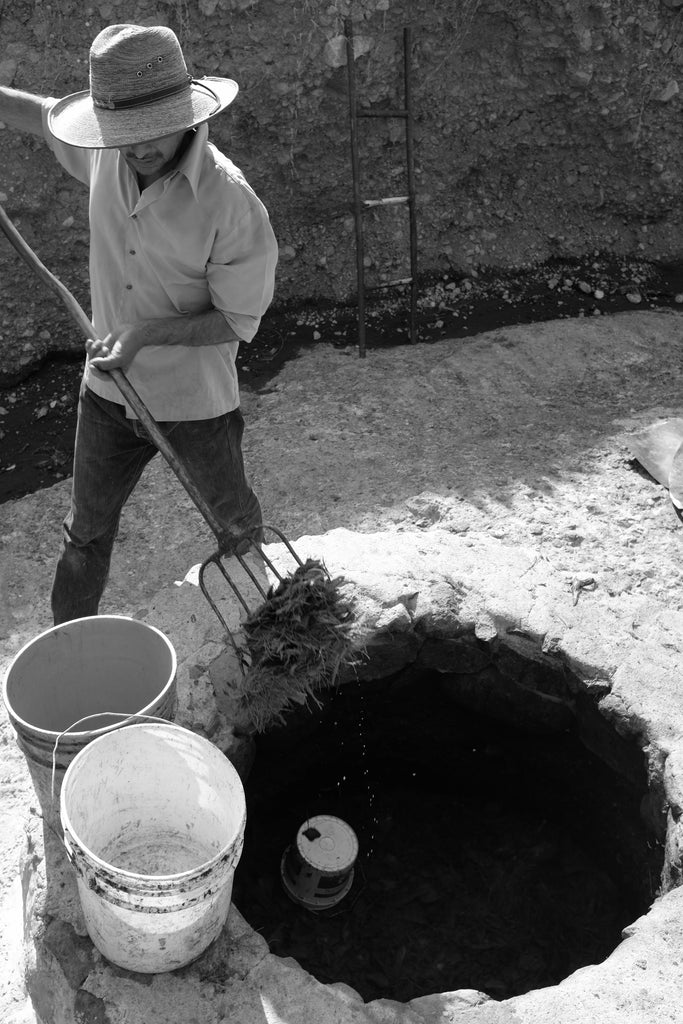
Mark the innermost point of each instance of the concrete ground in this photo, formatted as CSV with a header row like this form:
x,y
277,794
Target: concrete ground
x,y
513,443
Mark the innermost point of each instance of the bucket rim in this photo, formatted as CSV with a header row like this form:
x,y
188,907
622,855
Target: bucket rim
x,y
195,872
52,734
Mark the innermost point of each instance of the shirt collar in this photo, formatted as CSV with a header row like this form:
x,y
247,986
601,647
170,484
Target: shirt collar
x,y
191,161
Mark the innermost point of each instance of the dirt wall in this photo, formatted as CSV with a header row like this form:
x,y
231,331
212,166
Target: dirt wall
x,y
541,129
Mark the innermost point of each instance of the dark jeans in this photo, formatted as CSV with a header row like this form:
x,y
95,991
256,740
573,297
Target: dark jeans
x,y
110,455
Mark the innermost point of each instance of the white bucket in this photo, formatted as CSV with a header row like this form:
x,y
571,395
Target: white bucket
x,y
153,818
79,680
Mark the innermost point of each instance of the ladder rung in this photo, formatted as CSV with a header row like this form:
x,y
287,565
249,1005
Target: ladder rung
x,y
389,284
380,113
389,201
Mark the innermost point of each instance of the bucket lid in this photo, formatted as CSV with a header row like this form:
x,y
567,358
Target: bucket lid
x,y
327,844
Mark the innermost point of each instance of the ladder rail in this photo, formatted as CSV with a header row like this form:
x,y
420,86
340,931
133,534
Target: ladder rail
x,y
357,201
361,205
412,212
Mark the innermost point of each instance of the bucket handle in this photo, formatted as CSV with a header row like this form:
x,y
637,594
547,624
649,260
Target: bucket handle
x,y
114,714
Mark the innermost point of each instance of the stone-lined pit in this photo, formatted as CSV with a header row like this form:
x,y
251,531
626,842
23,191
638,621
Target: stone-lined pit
x,y
502,844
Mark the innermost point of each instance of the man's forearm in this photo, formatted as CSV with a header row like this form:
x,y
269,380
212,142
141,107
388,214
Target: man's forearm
x,y
121,346
210,328
21,110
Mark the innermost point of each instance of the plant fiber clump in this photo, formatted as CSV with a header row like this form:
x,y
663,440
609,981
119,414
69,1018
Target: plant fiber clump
x,y
297,642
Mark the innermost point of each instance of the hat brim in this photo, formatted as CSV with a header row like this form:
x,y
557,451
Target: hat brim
x,y
78,122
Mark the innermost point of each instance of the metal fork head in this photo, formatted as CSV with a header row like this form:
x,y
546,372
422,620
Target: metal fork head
x,y
241,548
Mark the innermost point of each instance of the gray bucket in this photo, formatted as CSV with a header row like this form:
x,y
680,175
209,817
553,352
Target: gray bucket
x,y
80,680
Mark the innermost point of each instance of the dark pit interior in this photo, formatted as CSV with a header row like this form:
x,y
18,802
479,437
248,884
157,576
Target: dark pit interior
x,y
496,851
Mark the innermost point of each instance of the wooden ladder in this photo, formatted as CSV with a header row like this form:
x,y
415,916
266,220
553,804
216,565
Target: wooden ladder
x,y
360,205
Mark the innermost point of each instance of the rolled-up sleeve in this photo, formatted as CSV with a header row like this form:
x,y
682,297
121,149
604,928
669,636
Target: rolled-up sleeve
x,y
241,269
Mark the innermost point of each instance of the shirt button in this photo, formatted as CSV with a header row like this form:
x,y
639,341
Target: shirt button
x,y
129,287
133,216
132,252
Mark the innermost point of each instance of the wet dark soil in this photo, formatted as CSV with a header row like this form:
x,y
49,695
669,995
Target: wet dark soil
x,y
38,405
489,858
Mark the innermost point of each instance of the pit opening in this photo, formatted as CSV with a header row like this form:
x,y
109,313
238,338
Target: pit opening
x,y
496,851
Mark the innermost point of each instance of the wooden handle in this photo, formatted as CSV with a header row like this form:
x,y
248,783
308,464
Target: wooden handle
x,y
117,375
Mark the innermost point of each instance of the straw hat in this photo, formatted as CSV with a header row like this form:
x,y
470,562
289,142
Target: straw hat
x,y
140,90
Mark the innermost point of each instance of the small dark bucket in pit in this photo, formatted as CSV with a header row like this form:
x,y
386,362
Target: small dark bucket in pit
x,y
317,869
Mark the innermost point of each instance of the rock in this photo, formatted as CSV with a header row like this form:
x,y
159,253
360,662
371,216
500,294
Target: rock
x,y
8,69
669,91
334,54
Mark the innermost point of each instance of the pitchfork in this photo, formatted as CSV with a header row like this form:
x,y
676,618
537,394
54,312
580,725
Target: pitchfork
x,y
230,545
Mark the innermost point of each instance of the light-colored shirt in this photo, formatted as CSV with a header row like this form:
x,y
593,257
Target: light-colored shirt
x,y
197,239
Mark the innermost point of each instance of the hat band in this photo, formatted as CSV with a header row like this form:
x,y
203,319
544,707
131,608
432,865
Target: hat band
x,y
143,99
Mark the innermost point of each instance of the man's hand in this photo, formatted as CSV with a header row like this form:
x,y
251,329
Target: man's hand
x,y
118,349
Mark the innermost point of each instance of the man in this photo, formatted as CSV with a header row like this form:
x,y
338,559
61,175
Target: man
x,y
182,263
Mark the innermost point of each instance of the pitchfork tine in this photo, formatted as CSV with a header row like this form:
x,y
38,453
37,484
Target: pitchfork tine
x,y
281,537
